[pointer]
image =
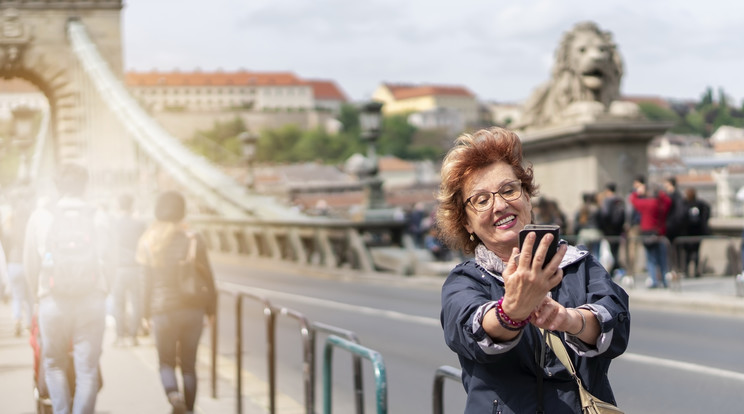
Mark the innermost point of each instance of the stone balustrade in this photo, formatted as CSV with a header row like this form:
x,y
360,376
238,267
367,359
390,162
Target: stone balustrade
x,y
322,242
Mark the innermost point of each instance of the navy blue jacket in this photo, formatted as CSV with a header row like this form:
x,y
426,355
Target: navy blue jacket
x,y
505,380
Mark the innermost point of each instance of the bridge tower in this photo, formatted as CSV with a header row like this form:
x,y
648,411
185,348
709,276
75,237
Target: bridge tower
x,y
34,46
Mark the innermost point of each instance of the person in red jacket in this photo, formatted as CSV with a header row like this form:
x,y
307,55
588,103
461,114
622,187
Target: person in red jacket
x,y
653,209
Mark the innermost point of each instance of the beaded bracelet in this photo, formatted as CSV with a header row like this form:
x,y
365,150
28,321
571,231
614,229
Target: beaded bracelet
x,y
507,322
583,323
505,325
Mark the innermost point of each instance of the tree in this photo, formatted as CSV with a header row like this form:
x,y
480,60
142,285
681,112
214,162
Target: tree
x,y
349,118
220,144
277,144
397,136
706,99
320,145
706,117
655,112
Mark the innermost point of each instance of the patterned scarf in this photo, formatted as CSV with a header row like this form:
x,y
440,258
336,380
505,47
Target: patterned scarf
x,y
488,259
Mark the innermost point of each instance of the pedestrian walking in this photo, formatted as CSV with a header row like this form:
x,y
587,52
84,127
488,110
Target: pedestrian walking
x,y
612,223
586,224
698,215
676,226
179,293
416,225
3,269
652,209
127,289
62,259
21,302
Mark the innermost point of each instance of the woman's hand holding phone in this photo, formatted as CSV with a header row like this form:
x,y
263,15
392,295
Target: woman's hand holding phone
x,y
532,271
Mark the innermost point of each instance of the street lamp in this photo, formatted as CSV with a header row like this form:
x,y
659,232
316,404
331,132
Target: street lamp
x,y
370,121
248,141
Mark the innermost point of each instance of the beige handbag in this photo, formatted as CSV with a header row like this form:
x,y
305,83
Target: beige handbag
x,y
589,403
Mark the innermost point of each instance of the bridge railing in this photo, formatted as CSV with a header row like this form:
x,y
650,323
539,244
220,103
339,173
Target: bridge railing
x,y
325,243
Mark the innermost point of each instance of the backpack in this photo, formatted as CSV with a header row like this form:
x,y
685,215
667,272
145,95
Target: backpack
x,y
697,218
614,221
70,264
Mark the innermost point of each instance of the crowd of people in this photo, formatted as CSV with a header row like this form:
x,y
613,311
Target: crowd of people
x,y
668,223
69,263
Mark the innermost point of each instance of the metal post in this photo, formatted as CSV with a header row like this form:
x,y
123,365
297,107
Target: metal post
x,y
213,338
271,355
270,348
442,372
239,352
356,361
249,141
308,371
372,356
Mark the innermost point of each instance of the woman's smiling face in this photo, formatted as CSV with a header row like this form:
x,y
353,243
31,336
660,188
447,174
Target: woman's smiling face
x,y
498,227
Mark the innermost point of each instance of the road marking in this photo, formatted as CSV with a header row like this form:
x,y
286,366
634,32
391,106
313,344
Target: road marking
x,y
684,366
422,320
365,310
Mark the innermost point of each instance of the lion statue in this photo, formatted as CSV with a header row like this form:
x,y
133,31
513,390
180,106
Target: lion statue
x,y
585,81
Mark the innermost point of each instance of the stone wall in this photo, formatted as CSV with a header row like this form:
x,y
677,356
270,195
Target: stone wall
x,y
183,125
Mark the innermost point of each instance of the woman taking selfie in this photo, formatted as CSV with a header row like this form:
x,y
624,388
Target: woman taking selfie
x,y
495,305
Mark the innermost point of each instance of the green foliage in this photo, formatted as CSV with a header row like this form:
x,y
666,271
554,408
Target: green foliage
x,y
277,144
706,99
656,113
704,120
397,136
220,144
349,118
319,145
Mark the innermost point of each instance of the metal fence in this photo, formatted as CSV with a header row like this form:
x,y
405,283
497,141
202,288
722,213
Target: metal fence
x,y
308,332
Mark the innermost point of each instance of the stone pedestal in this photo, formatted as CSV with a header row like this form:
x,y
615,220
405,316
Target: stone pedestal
x,y
570,160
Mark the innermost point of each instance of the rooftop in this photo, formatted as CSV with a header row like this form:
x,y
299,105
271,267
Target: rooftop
x,y
406,91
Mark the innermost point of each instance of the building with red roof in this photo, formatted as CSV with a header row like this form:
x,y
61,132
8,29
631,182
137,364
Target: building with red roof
x,y
409,99
214,91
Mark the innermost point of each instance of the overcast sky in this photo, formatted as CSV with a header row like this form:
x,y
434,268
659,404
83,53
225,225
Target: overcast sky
x,y
499,50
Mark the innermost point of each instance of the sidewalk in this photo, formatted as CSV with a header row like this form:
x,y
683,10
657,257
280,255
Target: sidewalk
x,y
708,294
131,383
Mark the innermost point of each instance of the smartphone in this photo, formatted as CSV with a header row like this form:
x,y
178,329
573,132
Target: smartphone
x,y
541,230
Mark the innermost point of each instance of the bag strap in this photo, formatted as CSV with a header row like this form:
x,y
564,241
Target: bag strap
x,y
191,253
540,360
555,343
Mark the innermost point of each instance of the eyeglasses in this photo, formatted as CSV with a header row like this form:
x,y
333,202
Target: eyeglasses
x,y
484,201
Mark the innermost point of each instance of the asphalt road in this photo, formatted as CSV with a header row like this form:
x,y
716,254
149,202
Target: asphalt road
x,y
676,362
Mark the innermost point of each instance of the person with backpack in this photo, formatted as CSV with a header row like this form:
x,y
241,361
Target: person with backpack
x,y
698,214
62,260
612,222
676,226
127,288
179,293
